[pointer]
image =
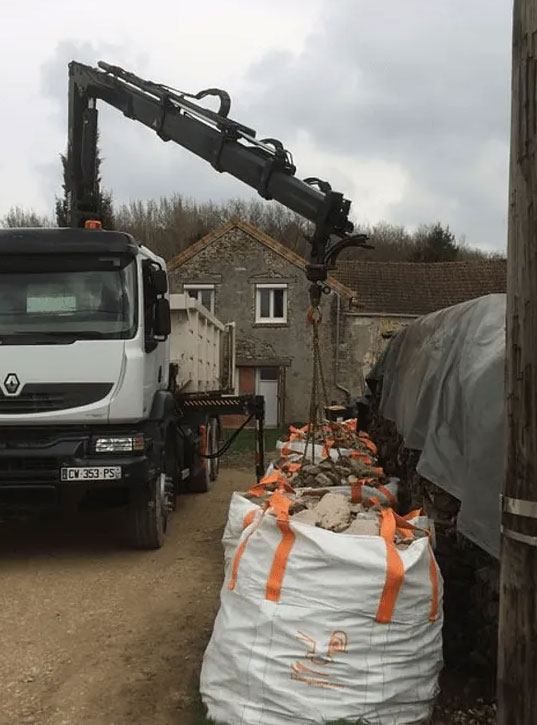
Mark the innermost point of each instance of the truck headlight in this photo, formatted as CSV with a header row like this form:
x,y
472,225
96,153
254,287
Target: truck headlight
x,y
120,444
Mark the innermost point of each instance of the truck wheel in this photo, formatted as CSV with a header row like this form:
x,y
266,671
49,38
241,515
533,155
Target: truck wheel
x,y
149,514
201,477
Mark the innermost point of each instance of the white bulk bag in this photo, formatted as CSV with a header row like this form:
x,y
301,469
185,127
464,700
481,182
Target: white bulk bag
x,y
316,626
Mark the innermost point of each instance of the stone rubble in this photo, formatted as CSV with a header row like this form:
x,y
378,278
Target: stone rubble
x,y
339,435
334,512
363,527
331,473
307,516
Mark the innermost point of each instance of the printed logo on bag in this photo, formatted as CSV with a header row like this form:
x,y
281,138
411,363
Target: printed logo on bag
x,y
314,669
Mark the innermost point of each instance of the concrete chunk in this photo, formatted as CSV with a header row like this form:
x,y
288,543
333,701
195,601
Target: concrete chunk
x,y
363,527
334,512
307,516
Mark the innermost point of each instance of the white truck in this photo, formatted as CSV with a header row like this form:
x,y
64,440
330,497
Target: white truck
x,y
99,403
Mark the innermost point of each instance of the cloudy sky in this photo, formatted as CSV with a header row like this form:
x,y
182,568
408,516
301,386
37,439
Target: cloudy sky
x,y
403,106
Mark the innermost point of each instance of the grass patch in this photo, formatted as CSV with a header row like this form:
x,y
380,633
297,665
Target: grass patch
x,y
245,441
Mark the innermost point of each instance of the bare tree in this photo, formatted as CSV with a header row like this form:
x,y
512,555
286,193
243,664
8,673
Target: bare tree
x,y
17,216
169,224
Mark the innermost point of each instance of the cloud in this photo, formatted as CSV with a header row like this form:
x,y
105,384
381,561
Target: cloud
x,y
402,106
418,86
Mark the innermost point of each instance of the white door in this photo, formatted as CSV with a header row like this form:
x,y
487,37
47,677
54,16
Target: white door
x,y
267,386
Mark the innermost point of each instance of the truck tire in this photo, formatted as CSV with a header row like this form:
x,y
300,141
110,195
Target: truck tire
x,y
149,513
203,474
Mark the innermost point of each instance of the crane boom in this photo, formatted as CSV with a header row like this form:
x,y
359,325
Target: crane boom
x,y
230,147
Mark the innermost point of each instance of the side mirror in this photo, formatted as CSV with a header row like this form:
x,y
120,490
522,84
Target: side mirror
x,y
159,280
162,323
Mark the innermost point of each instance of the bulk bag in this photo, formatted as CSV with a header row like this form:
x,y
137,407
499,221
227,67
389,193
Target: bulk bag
x,y
317,626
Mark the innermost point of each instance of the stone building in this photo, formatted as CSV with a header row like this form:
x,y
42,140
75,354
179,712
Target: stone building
x,y
243,275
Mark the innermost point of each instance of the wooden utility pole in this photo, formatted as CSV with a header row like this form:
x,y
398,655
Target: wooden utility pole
x,y
517,656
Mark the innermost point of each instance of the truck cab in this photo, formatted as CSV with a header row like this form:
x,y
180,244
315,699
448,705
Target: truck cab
x,y
86,410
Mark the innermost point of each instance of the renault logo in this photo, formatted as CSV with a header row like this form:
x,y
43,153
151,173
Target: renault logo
x,y
12,384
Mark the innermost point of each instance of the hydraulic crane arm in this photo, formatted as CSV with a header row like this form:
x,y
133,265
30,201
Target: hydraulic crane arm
x,y
228,146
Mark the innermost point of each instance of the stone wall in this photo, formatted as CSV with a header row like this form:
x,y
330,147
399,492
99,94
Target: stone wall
x,y
471,575
364,337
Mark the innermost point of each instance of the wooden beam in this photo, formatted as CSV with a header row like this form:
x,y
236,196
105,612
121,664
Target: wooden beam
x,y
517,655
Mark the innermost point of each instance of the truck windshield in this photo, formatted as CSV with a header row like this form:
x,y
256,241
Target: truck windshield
x,y
87,299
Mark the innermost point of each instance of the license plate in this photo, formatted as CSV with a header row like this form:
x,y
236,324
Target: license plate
x,y
98,473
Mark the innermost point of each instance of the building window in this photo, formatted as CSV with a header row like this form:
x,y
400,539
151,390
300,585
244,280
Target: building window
x,y
271,303
268,373
204,293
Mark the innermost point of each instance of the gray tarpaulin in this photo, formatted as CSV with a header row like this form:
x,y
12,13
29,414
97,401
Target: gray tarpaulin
x,y
443,387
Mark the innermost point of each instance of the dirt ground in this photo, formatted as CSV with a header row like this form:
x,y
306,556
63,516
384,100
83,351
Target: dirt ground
x,y
93,633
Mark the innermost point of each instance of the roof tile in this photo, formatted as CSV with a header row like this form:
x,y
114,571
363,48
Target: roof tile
x,y
417,288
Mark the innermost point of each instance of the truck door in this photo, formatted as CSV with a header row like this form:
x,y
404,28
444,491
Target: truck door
x,y
155,352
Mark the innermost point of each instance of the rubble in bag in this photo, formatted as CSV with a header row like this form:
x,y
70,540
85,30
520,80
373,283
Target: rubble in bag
x,y
344,472
305,501
335,512
363,527
345,435
360,484
330,438
307,516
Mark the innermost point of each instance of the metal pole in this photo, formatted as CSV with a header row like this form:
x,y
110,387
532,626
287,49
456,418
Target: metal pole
x,y
260,436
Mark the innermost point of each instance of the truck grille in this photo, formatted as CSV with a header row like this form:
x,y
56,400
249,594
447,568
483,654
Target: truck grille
x,y
28,470
45,397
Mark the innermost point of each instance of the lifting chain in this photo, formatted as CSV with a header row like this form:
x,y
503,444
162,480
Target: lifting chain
x,y
316,420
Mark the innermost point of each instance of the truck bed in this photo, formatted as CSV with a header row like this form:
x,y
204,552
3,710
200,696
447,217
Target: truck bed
x,y
200,347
